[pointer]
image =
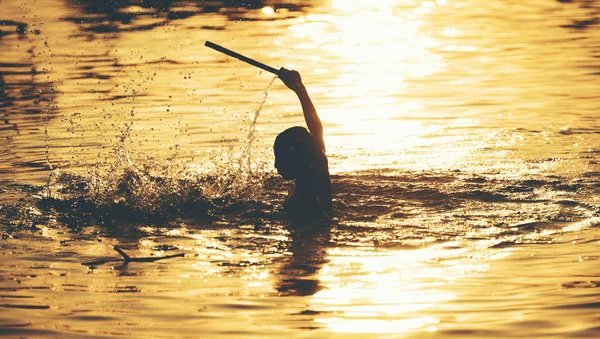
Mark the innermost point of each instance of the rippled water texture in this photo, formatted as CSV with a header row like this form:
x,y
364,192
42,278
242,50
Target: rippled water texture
x,y
463,140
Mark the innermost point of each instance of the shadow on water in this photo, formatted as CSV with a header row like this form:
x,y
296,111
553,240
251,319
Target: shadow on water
x,y
124,15
589,6
295,273
298,276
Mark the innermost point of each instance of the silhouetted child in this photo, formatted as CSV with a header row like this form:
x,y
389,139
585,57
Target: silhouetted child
x,y
300,155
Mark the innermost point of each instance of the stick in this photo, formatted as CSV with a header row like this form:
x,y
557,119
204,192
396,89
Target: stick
x,y
241,57
127,259
125,256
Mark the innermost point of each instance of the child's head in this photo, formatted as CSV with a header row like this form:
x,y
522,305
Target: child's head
x,y
294,152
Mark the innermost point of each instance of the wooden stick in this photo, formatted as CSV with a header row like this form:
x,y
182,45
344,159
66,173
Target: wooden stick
x,y
125,256
241,57
128,259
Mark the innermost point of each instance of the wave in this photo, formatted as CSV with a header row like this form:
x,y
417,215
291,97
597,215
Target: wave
x,y
387,208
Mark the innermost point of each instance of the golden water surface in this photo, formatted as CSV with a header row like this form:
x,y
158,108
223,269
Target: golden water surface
x,y
462,135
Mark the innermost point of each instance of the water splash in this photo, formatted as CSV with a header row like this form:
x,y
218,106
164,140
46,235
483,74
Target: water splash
x,y
249,172
247,150
125,189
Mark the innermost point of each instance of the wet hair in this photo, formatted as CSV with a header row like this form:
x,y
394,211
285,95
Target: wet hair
x,y
294,146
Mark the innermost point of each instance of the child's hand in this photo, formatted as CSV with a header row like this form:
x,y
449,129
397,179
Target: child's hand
x,y
291,79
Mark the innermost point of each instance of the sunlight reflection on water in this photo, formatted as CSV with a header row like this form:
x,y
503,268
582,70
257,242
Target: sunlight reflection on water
x,y
391,291
375,59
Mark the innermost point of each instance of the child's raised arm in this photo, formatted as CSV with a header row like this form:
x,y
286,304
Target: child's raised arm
x,y
293,81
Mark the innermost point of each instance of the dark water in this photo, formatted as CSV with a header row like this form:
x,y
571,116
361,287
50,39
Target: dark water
x,y
463,140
